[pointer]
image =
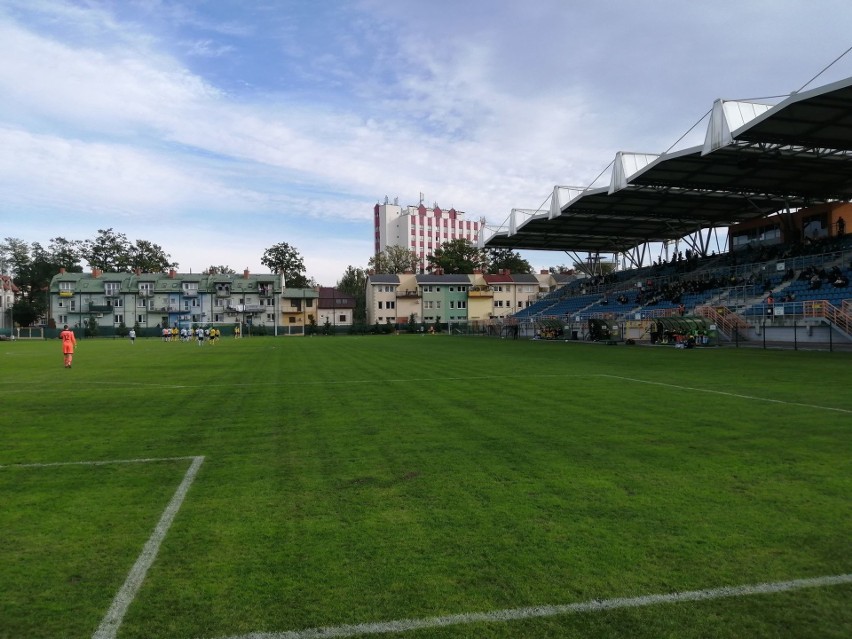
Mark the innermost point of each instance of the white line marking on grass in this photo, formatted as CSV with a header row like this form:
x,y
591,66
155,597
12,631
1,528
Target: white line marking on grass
x,y
715,392
115,615
97,463
515,614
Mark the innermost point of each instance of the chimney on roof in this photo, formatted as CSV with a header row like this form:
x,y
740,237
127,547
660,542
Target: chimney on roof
x,y
62,270
96,273
138,271
544,271
246,274
172,273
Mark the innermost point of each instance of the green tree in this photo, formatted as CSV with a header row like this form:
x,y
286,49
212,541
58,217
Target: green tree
x,y
502,258
354,283
284,259
394,259
109,251
457,256
32,269
149,257
91,326
560,269
219,270
112,252
14,256
66,254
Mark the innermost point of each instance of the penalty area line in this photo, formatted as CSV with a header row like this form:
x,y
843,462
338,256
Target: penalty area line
x,y
726,394
515,614
111,622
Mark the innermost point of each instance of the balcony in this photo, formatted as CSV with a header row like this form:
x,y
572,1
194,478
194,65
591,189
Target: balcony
x,y
265,290
66,293
407,293
480,291
100,308
190,292
247,308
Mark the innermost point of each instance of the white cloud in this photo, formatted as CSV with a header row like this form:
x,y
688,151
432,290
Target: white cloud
x,y
483,106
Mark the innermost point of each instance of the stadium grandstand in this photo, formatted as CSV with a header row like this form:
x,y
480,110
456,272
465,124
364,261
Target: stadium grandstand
x,y
774,180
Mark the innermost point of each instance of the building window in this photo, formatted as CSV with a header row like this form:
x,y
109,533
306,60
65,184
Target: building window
x,y
452,303
270,317
140,319
292,320
380,305
63,319
462,304
118,303
118,318
342,318
66,286
111,288
391,305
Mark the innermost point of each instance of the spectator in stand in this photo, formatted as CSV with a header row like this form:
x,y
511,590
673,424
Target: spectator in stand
x,y
816,283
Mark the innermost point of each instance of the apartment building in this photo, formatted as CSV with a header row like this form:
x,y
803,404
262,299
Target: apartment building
x,y
150,300
421,229
436,297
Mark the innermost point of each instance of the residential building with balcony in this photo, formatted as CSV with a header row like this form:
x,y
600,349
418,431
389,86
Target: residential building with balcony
x,y
8,290
436,297
151,300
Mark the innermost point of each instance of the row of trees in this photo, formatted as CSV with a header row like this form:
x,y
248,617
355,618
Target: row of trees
x,y
33,266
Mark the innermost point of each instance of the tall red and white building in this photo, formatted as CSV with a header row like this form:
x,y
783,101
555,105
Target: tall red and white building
x,y
421,229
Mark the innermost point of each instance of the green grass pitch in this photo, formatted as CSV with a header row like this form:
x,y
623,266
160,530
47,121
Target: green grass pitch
x,y
365,480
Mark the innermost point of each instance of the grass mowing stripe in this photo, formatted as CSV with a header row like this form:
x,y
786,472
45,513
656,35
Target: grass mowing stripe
x,y
727,394
350,382
114,616
516,614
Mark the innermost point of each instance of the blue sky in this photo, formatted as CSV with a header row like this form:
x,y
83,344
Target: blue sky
x,y
220,128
